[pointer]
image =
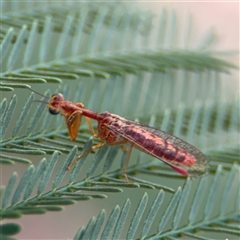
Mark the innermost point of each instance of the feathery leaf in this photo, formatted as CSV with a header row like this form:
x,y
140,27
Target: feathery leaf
x,y
111,222
22,185
13,57
152,214
108,51
8,116
137,216
35,177
9,190
171,207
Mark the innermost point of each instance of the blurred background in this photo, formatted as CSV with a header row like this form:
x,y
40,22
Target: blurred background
x,y
220,17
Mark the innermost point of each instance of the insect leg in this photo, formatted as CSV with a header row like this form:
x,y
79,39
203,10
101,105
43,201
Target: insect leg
x,y
118,143
127,161
73,122
124,149
91,128
128,150
99,145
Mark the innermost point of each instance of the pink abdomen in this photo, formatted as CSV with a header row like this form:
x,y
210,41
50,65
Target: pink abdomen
x,y
158,146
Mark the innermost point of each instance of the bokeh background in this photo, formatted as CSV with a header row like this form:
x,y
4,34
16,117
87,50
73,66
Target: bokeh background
x,y
221,17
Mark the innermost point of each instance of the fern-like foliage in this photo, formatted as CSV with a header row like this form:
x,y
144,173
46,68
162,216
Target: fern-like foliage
x,y
111,58
223,219
20,202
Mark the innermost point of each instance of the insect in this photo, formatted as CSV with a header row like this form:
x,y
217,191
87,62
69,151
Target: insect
x,y
115,130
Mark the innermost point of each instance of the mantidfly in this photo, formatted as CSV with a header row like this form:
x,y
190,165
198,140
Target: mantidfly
x,y
115,130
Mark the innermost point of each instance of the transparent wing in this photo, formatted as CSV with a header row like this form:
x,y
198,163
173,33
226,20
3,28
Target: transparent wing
x,y
180,155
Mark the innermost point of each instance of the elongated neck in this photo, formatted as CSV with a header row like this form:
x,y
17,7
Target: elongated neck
x,y
91,114
68,108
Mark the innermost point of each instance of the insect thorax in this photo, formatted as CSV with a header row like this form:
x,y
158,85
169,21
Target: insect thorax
x,y
112,120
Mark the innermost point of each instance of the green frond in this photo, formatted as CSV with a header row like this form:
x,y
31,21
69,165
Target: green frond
x,y
219,221
22,185
21,201
182,203
22,116
100,60
121,220
137,216
110,224
9,190
128,62
170,209
8,116
152,214
9,229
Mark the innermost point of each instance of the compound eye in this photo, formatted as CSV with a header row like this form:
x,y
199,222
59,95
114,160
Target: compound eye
x,y
53,111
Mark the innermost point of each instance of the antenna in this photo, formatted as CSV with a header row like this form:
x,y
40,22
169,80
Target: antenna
x,y
37,93
39,101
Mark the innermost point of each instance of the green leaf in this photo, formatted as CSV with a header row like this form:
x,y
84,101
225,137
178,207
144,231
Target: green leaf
x,y
22,185
111,222
152,214
229,189
100,154
79,165
22,117
62,172
36,117
132,64
18,78
137,217
16,49
61,44
5,44
121,220
10,229
9,190
8,116
87,233
210,203
47,174
35,177
31,42
45,39
98,225
171,207
199,197
182,203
